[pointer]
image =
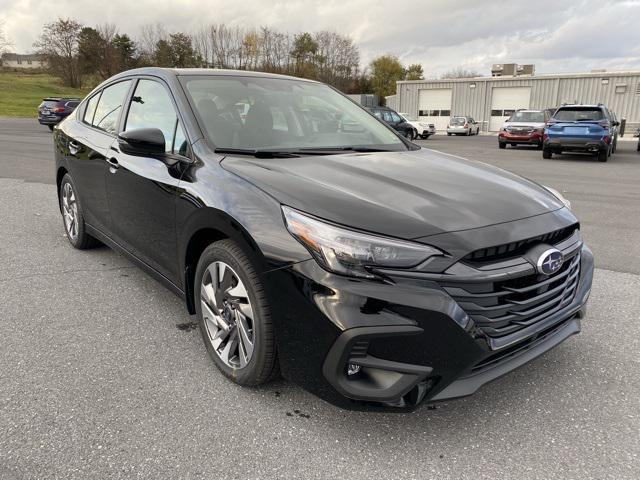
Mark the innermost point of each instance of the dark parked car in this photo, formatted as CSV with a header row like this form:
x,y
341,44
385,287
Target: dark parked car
x,y
53,110
581,128
369,271
395,121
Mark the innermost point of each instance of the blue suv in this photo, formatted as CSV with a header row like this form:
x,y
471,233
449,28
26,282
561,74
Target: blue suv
x,y
581,128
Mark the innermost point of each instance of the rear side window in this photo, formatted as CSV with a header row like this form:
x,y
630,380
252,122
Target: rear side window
x,y
109,107
579,114
151,107
72,104
90,111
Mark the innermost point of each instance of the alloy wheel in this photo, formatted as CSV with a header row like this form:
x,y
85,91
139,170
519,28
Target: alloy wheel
x,y
227,314
70,211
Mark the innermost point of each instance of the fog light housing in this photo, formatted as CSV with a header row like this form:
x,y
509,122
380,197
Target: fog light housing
x,y
352,369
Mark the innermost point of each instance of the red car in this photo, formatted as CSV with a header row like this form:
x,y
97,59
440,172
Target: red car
x,y
523,127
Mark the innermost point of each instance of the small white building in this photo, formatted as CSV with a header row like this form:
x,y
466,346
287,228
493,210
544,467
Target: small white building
x,y
27,61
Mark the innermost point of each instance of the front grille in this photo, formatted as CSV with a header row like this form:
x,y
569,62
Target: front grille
x,y
517,248
520,347
501,308
520,130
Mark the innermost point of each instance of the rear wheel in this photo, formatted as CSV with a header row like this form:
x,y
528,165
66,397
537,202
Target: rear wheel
x,y
615,146
603,155
73,217
448,133
502,145
234,315
546,153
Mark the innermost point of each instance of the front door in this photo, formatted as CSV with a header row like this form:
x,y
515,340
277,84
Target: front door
x,y
142,190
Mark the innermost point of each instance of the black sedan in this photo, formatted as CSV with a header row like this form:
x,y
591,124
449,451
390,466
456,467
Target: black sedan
x,y
371,272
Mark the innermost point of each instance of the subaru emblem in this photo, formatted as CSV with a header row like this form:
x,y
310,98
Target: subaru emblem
x,y
550,261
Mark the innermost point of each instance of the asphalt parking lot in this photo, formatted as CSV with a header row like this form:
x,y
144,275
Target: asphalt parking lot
x,y
101,375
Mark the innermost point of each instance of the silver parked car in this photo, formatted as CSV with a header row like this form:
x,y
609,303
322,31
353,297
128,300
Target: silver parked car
x,y
462,125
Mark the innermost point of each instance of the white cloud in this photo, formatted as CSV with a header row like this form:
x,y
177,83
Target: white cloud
x,y
556,36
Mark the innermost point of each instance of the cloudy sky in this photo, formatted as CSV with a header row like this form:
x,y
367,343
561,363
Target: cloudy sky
x,y
557,36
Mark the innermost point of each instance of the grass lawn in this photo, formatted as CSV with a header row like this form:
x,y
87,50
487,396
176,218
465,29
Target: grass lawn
x,y
21,93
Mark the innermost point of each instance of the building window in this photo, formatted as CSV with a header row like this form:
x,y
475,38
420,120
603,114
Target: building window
x,y
622,88
605,81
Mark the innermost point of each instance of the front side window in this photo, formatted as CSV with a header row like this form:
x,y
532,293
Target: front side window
x,y
269,113
109,107
151,107
395,117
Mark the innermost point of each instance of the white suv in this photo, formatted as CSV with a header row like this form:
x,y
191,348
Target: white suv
x,y
425,130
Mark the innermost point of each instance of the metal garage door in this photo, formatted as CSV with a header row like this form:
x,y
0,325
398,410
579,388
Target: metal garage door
x,y
434,106
504,101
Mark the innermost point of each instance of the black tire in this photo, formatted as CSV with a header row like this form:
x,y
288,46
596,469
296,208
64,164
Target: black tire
x,y
478,131
539,146
603,155
502,145
263,365
424,137
513,144
82,240
50,127
638,147
448,133
469,133
546,153
614,147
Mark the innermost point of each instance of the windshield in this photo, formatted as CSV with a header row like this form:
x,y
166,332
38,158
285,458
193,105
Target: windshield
x,y
409,118
534,117
281,114
579,114
458,121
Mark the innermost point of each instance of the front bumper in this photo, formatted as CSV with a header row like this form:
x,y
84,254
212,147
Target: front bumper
x,y
531,139
410,340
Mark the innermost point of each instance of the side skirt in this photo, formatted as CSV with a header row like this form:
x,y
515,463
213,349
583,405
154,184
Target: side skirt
x,y
94,232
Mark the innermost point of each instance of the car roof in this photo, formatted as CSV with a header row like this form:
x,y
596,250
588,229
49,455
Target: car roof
x,y
59,99
166,73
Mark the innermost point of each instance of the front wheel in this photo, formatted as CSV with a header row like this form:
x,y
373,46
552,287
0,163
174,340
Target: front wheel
x,y
546,153
234,315
502,145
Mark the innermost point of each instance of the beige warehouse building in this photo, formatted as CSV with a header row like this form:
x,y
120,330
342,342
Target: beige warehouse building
x,y
491,100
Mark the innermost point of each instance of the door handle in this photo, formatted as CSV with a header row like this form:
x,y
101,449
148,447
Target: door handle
x,y
113,164
73,148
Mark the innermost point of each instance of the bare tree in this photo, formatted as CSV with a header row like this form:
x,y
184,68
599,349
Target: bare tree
x,y
150,35
58,43
4,41
460,72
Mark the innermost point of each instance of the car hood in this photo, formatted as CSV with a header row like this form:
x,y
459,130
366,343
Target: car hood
x,y
402,194
524,124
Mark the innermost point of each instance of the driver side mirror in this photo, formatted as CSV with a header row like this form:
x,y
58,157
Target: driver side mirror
x,y
143,142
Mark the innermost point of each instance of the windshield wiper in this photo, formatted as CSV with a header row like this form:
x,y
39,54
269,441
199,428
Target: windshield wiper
x,y
342,149
258,153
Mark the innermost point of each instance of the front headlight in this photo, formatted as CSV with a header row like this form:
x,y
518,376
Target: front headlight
x,y
559,196
352,253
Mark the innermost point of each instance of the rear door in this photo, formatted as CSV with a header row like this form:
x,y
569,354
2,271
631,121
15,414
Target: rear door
x,y
88,147
142,190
